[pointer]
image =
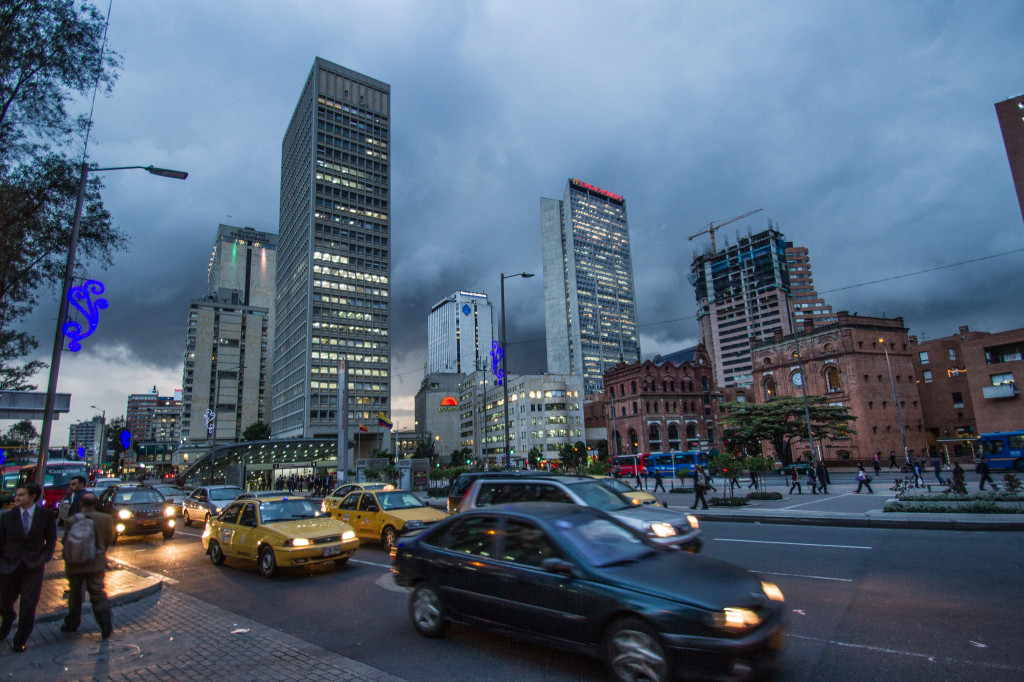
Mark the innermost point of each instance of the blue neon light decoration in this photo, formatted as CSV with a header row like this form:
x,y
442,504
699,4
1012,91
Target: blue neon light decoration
x,y
126,439
82,298
211,418
466,310
81,452
496,355
3,457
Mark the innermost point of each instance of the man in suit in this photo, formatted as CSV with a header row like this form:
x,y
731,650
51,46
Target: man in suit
x,y
89,574
28,537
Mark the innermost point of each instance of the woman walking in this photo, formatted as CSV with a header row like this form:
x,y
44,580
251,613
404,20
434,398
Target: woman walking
x,y
863,479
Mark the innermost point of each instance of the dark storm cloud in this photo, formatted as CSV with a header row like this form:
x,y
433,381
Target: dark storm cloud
x,y
865,131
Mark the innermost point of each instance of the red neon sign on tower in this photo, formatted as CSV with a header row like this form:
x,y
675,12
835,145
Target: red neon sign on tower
x,y
592,188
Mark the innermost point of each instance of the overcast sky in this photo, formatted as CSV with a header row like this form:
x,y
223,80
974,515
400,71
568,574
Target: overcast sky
x,y
865,130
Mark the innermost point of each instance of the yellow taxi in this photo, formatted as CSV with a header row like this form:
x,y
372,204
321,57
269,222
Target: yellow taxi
x,y
635,496
276,532
332,501
385,515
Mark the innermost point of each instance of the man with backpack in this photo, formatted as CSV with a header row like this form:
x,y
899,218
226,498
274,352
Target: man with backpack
x,y
86,538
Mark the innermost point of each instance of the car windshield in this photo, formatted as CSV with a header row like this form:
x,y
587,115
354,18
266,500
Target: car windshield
x,y
225,493
168,491
288,510
616,485
141,496
603,542
398,500
60,476
596,494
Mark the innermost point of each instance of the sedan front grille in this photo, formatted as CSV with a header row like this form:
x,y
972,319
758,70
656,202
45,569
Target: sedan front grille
x,y
329,538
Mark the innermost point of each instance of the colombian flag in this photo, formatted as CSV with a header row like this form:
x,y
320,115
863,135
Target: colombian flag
x,y
383,421
363,429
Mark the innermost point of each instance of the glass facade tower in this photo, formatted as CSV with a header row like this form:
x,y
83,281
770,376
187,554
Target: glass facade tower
x,y
589,300
334,256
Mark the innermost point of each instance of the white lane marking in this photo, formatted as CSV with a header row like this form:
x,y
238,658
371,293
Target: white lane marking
x,y
798,575
191,535
825,498
387,581
913,654
370,563
978,644
164,578
798,544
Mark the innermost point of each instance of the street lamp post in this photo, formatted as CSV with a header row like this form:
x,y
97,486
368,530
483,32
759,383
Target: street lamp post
x,y
69,271
895,398
103,442
803,378
504,356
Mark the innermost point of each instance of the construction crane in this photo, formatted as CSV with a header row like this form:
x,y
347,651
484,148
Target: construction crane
x,y
710,229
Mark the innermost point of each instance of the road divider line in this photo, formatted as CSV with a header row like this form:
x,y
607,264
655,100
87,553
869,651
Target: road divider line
x,y
137,569
370,563
798,575
825,498
912,654
796,544
191,535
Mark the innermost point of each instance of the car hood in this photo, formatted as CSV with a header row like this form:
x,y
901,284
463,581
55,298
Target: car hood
x,y
638,515
425,514
311,528
689,578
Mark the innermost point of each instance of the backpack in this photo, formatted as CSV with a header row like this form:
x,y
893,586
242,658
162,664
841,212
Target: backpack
x,y
80,540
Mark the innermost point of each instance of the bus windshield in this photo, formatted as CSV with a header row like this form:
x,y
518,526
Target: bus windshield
x,y
58,474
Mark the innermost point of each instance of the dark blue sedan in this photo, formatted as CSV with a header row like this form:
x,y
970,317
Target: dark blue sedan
x,y
577,579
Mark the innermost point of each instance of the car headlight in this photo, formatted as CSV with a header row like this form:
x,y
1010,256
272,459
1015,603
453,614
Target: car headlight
x,y
634,500
414,524
772,591
694,523
301,542
323,506
736,619
216,510
169,511
662,530
348,535
124,514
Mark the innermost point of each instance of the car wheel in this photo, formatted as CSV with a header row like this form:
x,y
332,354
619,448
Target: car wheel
x,y
216,553
168,534
388,538
267,562
426,611
188,521
633,652
338,563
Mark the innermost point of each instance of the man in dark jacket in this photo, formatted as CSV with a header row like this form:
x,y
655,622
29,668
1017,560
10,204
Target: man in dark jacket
x,y
89,574
76,487
823,479
28,537
986,473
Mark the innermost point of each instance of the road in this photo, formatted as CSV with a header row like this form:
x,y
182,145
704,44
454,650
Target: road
x,y
865,603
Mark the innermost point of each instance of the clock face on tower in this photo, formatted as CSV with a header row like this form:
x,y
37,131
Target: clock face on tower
x,y
798,379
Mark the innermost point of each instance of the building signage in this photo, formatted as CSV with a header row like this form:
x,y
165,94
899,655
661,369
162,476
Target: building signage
x,y
449,403
592,188
472,293
466,310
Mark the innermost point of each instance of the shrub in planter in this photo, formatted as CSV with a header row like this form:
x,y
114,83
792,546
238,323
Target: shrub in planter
x,y
688,491
728,501
764,496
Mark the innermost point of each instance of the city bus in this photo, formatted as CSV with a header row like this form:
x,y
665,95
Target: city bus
x,y
59,473
676,464
1004,449
8,483
630,466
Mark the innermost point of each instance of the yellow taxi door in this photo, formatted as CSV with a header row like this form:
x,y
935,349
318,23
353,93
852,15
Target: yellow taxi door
x,y
246,533
226,528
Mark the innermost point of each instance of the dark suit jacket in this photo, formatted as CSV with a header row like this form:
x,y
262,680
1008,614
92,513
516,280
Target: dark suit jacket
x,y
33,550
74,507
104,538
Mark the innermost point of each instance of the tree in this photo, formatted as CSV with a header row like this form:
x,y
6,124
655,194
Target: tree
x,y
256,431
115,427
533,458
22,434
425,449
50,52
574,456
602,450
780,421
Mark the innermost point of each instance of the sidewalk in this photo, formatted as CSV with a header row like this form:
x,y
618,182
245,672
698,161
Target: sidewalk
x,y
167,635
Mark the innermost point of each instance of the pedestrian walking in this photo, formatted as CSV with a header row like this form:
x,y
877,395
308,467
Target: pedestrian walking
x,y
646,482
937,466
28,537
85,562
823,478
876,462
700,483
812,480
892,459
794,482
75,487
918,481
658,482
863,480
986,473
639,485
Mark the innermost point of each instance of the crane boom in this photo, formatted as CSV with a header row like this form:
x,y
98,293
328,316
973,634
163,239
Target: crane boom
x,y
712,226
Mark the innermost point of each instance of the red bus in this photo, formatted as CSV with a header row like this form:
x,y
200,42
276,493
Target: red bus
x,y
59,473
627,465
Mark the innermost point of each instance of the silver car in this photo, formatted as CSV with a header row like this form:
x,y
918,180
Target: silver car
x,y
172,493
207,501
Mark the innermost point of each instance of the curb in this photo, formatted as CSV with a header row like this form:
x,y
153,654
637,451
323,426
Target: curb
x,y
121,599
868,522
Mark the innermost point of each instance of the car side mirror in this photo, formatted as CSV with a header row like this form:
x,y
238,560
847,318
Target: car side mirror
x,y
557,565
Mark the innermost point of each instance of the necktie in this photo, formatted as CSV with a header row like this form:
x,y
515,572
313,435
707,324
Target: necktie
x,y
26,520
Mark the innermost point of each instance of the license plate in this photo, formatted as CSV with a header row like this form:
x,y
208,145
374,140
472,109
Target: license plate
x,y
147,523
331,551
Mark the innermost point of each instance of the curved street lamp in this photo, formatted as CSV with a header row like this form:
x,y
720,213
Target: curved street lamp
x,y
69,270
895,398
504,356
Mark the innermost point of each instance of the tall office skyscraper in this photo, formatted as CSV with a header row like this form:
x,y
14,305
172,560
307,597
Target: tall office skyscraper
x,y
334,255
589,302
741,294
459,333
1011,122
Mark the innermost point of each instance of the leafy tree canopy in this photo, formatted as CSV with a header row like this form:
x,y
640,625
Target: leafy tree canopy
x,y
22,433
781,420
256,431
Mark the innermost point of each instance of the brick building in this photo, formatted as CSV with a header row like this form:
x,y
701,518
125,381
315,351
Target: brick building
x,y
667,404
968,383
846,362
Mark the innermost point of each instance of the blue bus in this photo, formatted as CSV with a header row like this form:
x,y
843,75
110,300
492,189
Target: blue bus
x,y
674,464
1004,449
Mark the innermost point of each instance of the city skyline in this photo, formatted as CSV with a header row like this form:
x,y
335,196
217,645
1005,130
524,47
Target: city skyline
x,y
878,149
